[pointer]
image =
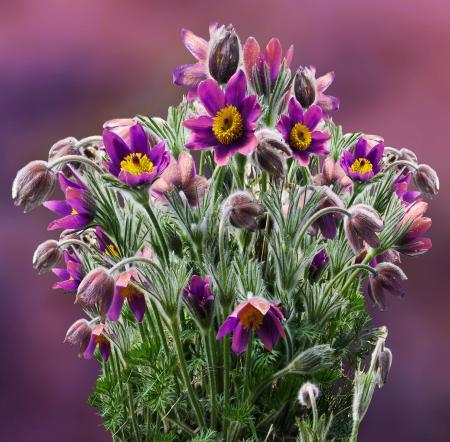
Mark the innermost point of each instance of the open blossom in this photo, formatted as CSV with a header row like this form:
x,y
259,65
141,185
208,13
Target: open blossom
x,y
255,315
77,210
71,276
181,174
134,162
364,163
98,339
299,131
231,121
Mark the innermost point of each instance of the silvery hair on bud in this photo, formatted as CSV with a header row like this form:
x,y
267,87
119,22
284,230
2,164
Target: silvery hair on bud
x,y
426,180
242,211
47,255
306,392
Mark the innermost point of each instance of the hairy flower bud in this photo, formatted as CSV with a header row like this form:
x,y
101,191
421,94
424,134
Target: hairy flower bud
x,y
97,287
426,180
79,333
32,185
224,53
333,174
271,152
199,300
363,226
305,86
384,363
47,255
242,210
318,265
307,394
407,155
66,146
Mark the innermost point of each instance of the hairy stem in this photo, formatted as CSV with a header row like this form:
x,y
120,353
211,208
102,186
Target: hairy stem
x,y
75,159
348,269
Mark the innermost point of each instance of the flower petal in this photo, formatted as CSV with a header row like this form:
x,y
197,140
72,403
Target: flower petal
x,y
240,339
115,147
196,45
295,110
227,327
273,55
116,305
251,55
137,305
211,96
236,89
138,139
60,207
189,74
312,117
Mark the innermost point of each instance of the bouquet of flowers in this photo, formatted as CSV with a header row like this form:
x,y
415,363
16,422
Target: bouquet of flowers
x,y
223,258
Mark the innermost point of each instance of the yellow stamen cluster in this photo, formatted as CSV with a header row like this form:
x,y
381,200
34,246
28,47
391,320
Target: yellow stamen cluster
x,y
228,125
111,250
362,165
136,164
251,318
74,212
300,137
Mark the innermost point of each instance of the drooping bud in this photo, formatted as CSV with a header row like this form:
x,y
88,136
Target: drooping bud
x,y
318,265
97,287
333,174
199,300
308,394
427,180
242,210
407,155
305,86
271,152
32,185
389,279
363,226
327,223
98,339
79,333
66,146
384,363
224,53
47,255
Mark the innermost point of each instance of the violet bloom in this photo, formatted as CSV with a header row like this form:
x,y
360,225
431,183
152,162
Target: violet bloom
x,y
199,300
364,163
318,265
181,175
255,315
298,130
98,338
229,127
71,276
135,162
105,244
77,210
126,290
401,185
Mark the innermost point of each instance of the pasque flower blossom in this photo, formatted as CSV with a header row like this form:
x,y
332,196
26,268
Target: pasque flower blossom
x,y
98,339
401,185
79,333
199,299
71,276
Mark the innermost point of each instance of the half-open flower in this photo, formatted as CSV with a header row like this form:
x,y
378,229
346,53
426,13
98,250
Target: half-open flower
x,y
71,276
135,162
255,315
199,299
298,130
98,338
79,333
401,185
230,124
333,175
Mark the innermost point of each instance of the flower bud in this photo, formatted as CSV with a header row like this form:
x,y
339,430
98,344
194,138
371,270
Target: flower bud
x,y
327,223
305,86
97,287
32,185
224,53
318,265
242,210
384,363
363,226
407,155
308,394
426,180
199,300
47,255
271,152
333,174
79,334
66,146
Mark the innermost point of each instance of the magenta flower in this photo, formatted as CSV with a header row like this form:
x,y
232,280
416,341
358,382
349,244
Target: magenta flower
x,y
181,175
98,338
255,315
77,210
298,130
318,265
401,185
71,276
199,299
230,124
134,162
364,163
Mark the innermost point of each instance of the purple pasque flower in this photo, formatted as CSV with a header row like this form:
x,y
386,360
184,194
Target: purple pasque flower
x,y
318,265
364,163
298,130
134,162
254,315
98,338
230,124
77,210
126,290
71,276
256,62
401,185
199,299
105,244
181,174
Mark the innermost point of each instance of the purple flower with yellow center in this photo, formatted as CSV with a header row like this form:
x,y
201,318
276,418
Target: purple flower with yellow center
x,y
401,185
105,244
230,124
298,130
134,162
199,299
364,163
98,339
254,315
126,290
71,276
76,210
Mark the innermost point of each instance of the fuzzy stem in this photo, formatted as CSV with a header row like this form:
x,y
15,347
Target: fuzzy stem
x,y
314,411
366,260
159,233
226,379
88,140
70,242
201,167
75,159
401,163
132,259
211,376
347,269
248,363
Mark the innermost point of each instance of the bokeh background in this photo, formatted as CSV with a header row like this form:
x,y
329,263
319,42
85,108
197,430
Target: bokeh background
x,y
68,66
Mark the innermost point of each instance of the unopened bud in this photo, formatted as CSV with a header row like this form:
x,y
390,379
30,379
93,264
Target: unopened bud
x,y
79,334
271,152
242,210
426,180
224,53
66,146
384,363
305,86
32,185
308,394
407,155
47,255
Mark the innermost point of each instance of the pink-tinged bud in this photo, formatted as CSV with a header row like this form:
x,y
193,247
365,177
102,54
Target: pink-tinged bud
x,y
373,140
333,174
79,334
242,210
363,226
305,86
384,363
307,394
32,185
271,152
47,255
97,287
66,146
426,180
407,155
389,279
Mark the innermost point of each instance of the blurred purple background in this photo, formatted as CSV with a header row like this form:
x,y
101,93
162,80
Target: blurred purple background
x,y
68,66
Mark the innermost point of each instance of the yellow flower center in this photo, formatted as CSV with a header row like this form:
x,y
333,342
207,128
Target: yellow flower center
x,y
74,212
228,125
362,165
251,318
111,250
300,137
136,164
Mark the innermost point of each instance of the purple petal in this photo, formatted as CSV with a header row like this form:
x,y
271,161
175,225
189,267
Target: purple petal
x,y
75,199
68,285
240,339
90,349
211,96
105,350
116,306
284,125
236,89
138,306
201,141
273,56
324,82
138,139
250,109
375,154
196,45
361,149
61,208
301,156
70,222
295,110
289,55
189,74
227,327
312,117
199,124
328,103
115,147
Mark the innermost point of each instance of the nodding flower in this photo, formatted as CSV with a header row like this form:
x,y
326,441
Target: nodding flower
x,y
242,210
71,276
426,180
79,333
98,339
47,255
401,185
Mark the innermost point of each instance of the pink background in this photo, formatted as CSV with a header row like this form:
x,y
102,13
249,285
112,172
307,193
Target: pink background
x,y
68,66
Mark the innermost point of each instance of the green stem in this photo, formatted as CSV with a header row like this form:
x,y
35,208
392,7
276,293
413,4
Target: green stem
x,y
314,410
347,269
401,163
75,159
211,377
133,259
201,168
355,428
180,424
366,260
217,179
159,233
222,244
226,380
73,242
